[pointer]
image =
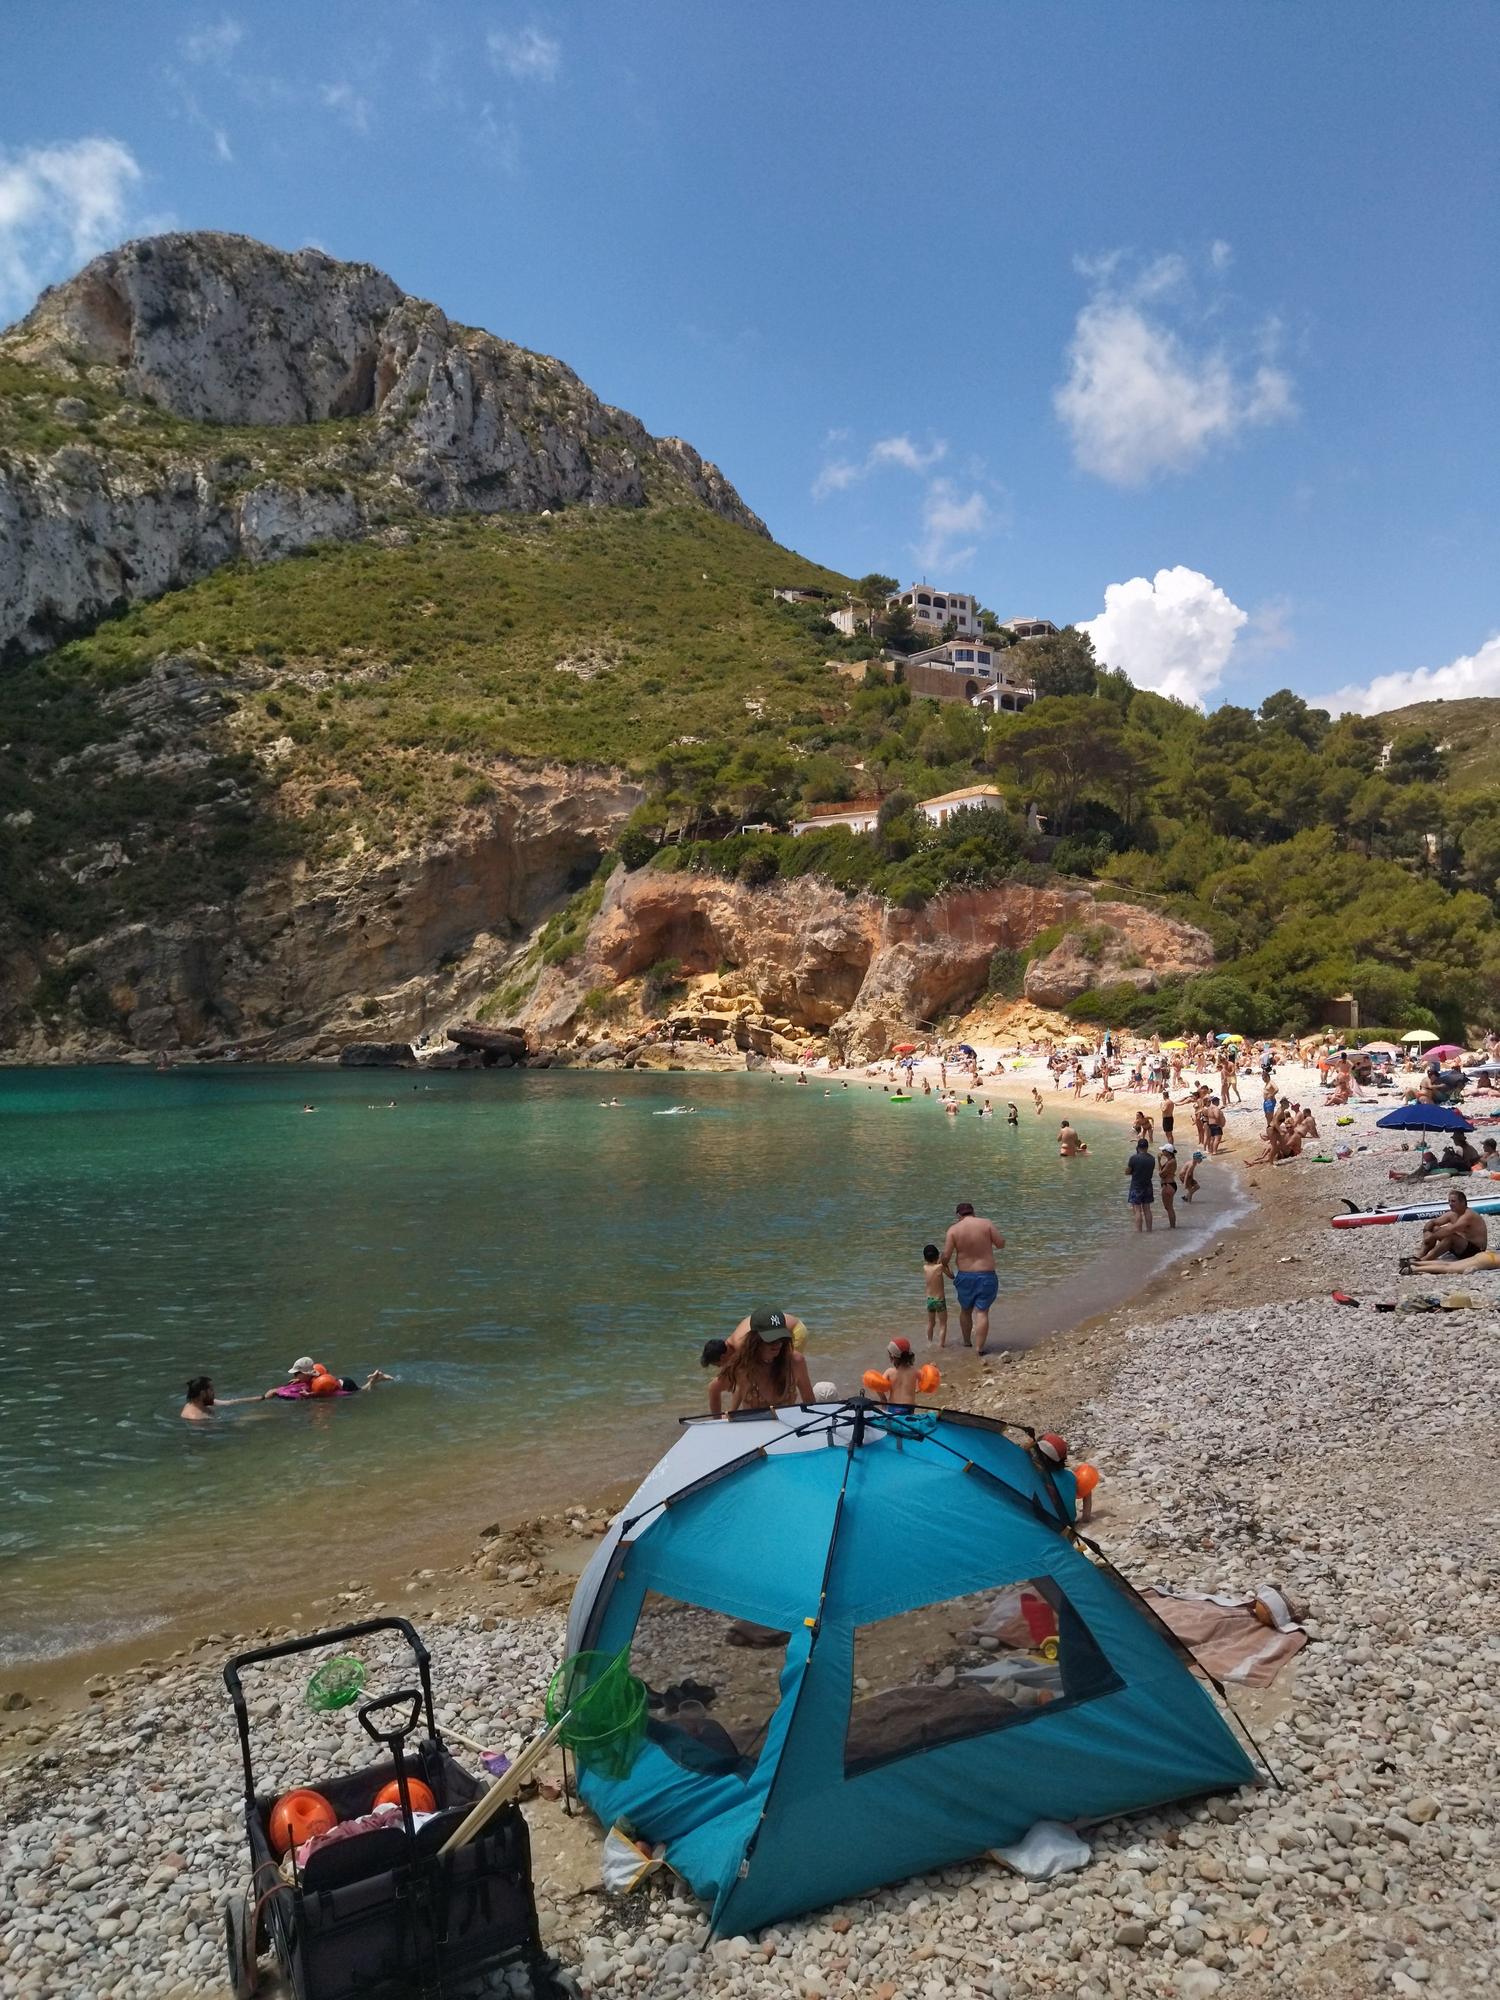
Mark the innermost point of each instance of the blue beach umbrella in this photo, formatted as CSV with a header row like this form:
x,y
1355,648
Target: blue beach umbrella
x,y
1424,1118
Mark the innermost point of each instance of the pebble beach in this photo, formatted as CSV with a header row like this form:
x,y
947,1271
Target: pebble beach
x,y
1249,1430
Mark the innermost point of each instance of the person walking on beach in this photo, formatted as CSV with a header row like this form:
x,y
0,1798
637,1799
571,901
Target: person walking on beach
x,y
1140,1169
937,1296
972,1240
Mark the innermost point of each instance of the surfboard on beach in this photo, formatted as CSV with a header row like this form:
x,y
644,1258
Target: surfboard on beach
x,y
1420,1211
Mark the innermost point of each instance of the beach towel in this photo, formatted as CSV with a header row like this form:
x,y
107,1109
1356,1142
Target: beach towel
x,y
1225,1636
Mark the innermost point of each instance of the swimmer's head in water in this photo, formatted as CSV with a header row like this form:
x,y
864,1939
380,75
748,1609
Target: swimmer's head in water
x,y
200,1390
714,1352
964,1208
303,1365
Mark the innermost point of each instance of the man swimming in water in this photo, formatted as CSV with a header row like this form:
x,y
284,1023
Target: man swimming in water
x,y
202,1402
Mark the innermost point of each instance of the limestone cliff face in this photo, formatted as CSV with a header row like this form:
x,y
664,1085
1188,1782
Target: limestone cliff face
x,y
376,948
229,335
851,965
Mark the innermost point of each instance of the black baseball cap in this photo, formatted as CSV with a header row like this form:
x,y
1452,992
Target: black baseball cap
x,y
769,1323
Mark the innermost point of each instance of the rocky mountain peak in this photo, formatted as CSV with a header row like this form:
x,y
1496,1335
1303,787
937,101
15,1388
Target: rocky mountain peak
x,y
220,329
249,345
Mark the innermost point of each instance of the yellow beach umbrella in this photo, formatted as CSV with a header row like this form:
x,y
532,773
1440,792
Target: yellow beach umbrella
x,y
1419,1035
1174,1045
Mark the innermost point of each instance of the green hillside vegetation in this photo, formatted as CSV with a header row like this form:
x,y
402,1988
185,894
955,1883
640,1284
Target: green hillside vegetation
x,y
1468,732
364,690
1317,865
357,698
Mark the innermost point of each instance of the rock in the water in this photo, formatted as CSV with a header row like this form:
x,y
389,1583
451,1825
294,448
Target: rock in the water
x,y
375,1055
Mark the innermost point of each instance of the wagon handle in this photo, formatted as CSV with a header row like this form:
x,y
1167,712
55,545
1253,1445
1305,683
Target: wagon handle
x,y
313,1642
370,1709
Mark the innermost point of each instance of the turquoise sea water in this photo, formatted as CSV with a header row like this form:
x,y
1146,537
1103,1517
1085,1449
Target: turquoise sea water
x,y
538,1271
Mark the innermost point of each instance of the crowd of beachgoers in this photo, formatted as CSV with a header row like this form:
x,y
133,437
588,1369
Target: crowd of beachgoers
x,y
1315,1417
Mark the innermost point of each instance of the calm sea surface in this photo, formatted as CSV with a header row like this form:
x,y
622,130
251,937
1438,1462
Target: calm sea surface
x,y
538,1271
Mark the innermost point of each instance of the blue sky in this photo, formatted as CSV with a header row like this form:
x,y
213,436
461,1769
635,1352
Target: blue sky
x,y
1179,319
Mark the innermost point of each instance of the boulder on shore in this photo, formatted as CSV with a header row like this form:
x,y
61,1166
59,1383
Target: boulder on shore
x,y
376,1055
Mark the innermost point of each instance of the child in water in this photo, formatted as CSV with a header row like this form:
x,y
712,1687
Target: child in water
x,y
937,1296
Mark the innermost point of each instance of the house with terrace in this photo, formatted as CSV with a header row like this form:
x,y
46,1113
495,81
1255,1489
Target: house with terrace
x,y
970,670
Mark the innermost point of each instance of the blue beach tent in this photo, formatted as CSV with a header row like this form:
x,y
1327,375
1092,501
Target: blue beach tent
x,y
874,1647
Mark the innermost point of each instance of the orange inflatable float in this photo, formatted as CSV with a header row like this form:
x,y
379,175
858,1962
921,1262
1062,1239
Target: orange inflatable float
x,y
297,1816
1086,1478
875,1382
324,1383
928,1377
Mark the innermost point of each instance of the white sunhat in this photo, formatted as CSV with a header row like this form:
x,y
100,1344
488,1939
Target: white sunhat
x,y
304,1365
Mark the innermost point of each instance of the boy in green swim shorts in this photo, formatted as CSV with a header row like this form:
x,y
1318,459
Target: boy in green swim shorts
x,y
937,1294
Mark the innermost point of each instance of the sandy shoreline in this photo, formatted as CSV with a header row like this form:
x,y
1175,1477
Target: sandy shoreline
x,y
1317,1446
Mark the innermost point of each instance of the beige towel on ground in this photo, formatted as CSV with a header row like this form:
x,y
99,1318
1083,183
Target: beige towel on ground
x,y
1226,1637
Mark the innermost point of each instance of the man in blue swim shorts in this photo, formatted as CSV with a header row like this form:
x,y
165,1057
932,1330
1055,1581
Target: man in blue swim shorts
x,y
971,1242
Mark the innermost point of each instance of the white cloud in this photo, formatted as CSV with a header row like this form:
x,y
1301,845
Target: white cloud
x,y
59,206
1470,674
1220,254
214,43
343,99
910,457
952,525
525,53
840,473
1143,398
1172,632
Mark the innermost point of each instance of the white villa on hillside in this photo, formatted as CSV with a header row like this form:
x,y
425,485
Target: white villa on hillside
x,y
861,815
849,619
1032,628
946,804
969,670
935,607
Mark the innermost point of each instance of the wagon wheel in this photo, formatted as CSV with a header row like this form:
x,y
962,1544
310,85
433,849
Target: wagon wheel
x,y
552,1980
239,1945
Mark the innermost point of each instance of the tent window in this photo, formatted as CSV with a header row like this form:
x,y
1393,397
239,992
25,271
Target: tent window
x,y
712,1684
987,1661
